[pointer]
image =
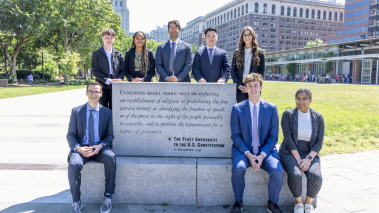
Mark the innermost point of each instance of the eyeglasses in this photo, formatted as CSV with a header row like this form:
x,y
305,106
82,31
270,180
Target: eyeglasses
x,y
302,100
247,35
172,29
93,92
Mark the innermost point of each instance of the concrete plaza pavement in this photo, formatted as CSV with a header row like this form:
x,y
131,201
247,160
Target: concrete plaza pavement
x,y
33,165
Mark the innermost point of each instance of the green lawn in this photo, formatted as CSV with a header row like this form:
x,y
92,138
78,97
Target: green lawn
x,y
12,92
350,113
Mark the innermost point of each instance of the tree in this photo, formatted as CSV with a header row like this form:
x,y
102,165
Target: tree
x,y
69,64
194,48
329,66
23,21
317,42
50,67
291,68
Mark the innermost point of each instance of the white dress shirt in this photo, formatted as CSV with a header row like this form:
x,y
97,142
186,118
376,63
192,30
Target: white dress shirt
x,y
257,105
109,56
247,63
304,125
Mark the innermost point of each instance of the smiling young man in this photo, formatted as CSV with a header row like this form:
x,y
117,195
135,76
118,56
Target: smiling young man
x,y
107,66
90,134
254,125
211,64
174,57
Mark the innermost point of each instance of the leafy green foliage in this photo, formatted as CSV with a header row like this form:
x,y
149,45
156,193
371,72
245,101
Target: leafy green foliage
x,y
317,42
291,68
194,48
69,64
50,67
329,66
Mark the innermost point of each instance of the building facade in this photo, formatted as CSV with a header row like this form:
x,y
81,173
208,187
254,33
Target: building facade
x,y
193,32
279,24
159,34
121,8
360,22
358,59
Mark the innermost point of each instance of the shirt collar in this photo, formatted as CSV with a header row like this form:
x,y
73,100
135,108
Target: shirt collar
x,y
257,104
176,41
210,47
109,52
89,108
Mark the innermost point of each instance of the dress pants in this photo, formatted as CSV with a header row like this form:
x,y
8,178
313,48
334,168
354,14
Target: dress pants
x,y
106,98
241,96
270,164
75,167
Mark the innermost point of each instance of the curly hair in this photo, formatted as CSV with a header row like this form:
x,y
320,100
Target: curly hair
x,y
240,54
145,54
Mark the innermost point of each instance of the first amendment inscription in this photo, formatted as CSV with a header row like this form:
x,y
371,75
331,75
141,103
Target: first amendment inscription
x,y
172,119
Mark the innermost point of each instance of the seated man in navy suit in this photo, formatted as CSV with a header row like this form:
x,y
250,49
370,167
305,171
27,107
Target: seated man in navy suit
x,y
255,125
90,134
173,60
211,64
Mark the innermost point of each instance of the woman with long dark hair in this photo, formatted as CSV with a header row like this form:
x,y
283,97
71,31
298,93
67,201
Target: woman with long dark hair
x,y
248,58
139,62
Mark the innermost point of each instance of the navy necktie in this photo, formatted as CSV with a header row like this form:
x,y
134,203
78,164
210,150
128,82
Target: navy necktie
x,y
210,55
91,130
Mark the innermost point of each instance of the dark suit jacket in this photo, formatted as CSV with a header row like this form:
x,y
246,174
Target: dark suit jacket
x,y
202,68
182,61
78,123
100,66
241,127
237,73
290,130
129,65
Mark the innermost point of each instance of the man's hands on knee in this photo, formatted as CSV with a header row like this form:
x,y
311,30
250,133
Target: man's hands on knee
x,y
90,151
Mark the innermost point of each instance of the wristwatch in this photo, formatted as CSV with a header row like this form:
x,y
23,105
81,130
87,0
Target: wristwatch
x,y
310,157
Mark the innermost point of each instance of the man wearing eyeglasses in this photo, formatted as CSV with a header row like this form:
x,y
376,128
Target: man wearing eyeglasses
x,y
211,64
107,66
90,134
174,57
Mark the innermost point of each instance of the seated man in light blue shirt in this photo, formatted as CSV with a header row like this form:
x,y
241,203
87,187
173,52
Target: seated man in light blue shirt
x,y
90,134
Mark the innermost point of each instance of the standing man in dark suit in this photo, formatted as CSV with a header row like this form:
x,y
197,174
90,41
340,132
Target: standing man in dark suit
x,y
107,66
247,58
211,64
90,133
255,126
174,57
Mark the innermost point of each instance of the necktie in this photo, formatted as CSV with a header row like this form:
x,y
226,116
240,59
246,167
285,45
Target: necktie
x,y
210,55
91,130
255,131
172,57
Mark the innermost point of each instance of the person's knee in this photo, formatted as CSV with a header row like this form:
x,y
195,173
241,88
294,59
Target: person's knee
x,y
238,172
277,172
109,157
75,165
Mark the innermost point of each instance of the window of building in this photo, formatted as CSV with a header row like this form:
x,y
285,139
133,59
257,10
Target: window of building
x,y
301,13
120,3
115,3
256,8
239,12
242,9
313,14
228,16
341,16
324,15
335,16
231,14
235,13
318,14
247,8
282,11
288,11
273,9
295,12
265,8
330,16
307,13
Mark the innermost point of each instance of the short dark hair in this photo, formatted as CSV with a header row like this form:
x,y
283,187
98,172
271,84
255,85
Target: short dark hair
x,y
210,29
253,77
176,22
95,84
306,91
108,31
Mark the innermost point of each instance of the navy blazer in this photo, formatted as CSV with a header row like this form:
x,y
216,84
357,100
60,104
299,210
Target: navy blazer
x,y
100,66
241,127
202,68
78,123
129,65
237,73
182,61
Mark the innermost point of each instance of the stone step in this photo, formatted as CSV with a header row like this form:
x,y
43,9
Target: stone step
x,y
178,181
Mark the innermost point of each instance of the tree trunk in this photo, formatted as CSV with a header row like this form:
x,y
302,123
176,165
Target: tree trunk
x,y
86,74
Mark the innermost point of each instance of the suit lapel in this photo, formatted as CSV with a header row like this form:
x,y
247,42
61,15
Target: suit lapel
x,y
178,48
106,57
262,111
83,115
101,118
132,59
214,54
314,124
167,49
294,124
248,116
